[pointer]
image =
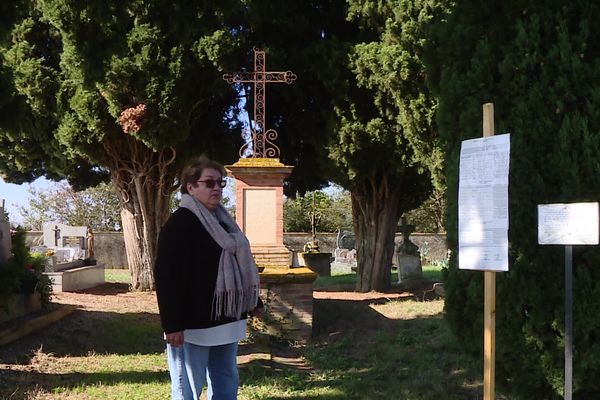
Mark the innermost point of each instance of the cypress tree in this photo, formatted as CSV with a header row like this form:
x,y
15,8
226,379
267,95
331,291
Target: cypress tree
x,y
539,63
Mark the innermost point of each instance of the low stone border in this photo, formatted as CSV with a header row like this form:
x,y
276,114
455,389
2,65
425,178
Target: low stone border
x,y
19,328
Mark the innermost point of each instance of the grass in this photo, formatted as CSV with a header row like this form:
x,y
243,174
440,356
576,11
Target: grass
x,y
343,276
384,350
399,349
415,358
117,275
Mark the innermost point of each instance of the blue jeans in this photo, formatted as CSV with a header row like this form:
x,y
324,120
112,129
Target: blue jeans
x,y
192,366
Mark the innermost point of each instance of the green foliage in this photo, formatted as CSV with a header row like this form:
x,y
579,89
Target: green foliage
x,y
126,91
23,272
385,145
75,67
389,67
332,212
538,63
430,216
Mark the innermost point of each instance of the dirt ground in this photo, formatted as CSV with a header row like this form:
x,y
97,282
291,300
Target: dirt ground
x,y
79,330
80,327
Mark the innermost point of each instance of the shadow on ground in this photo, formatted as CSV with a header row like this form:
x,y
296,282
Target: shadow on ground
x,y
86,331
356,350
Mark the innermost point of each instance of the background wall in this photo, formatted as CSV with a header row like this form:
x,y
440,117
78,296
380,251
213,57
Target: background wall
x,y
110,246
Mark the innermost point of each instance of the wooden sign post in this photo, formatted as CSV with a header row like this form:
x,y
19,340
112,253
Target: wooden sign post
x,y
483,223
489,318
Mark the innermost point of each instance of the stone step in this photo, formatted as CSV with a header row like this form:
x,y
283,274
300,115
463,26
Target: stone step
x,y
275,256
272,257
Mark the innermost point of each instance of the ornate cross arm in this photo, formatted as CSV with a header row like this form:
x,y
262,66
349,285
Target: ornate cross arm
x,y
253,77
262,138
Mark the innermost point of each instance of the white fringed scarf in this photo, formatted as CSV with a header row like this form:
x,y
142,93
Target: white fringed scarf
x,y
238,284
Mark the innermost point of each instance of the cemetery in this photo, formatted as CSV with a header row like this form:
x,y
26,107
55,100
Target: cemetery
x,y
71,265
416,186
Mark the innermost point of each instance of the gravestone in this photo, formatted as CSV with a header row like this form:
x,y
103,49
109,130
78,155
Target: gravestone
x,y
5,242
409,260
67,242
70,267
345,252
54,234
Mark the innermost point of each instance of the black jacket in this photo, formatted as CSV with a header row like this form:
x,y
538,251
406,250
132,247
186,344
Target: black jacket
x,y
185,273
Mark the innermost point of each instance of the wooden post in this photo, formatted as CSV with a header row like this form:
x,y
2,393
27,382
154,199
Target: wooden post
x,y
489,318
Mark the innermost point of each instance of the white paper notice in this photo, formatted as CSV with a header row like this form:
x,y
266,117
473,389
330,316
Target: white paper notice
x,y
483,203
568,224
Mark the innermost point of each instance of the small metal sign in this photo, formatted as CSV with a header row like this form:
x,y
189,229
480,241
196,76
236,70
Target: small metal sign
x,y
73,241
568,223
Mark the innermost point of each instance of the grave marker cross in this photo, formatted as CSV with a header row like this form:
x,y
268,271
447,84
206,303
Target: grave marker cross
x,y
262,138
56,234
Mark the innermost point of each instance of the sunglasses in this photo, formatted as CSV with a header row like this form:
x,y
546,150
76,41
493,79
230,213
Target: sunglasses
x,y
210,183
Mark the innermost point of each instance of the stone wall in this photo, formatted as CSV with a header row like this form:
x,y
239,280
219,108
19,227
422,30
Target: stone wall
x,y
109,247
431,245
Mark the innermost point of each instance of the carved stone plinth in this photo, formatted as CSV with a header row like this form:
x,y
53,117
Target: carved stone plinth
x,y
319,263
259,208
288,298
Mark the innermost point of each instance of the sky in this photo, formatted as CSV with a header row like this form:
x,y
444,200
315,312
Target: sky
x,y
17,195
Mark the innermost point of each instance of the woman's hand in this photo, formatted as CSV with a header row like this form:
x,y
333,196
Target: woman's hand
x,y
175,339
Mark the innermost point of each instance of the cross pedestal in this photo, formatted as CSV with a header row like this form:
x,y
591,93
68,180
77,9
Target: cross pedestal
x,y
259,208
287,293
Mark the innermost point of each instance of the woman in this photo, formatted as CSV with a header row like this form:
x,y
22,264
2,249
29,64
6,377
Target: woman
x,y
206,283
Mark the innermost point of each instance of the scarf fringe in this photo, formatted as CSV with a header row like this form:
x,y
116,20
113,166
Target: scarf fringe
x,y
232,303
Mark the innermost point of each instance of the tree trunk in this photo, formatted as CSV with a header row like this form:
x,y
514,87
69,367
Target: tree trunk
x,y
144,180
375,208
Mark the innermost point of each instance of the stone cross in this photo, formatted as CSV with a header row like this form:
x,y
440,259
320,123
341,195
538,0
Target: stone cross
x,y
262,138
407,247
56,234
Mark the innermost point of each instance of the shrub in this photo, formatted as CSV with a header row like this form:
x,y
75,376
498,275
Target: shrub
x,y
535,62
23,272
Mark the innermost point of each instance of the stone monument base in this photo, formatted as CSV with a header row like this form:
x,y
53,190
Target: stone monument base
x,y
317,262
77,278
271,256
288,298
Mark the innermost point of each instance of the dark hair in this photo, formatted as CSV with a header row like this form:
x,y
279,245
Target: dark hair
x,y
192,172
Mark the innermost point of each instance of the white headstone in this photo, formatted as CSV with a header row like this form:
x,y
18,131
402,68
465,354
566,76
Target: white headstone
x,y
68,242
56,234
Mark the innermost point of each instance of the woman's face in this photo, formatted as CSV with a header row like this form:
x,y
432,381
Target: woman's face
x,y
209,197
